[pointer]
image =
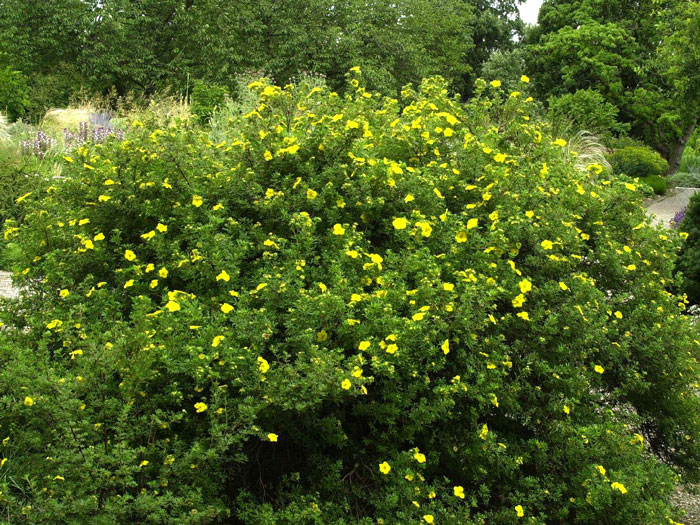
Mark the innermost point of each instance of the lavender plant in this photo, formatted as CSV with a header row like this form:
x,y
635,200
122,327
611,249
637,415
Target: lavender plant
x,y
678,218
39,145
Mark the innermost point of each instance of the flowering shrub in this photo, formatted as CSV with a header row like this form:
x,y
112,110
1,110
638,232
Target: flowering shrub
x,y
351,310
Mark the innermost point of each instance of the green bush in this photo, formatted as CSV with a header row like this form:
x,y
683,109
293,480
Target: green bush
x,y
586,110
352,310
656,183
14,93
688,263
206,98
638,162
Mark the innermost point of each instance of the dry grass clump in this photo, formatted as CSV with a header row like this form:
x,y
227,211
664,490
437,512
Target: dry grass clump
x,y
586,150
55,120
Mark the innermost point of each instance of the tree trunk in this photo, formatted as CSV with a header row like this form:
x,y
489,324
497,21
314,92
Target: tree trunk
x,y
676,155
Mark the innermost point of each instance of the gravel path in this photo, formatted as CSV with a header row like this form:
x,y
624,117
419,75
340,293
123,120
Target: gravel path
x,y
6,288
663,210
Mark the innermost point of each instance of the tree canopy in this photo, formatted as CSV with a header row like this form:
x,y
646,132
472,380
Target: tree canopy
x,y
638,55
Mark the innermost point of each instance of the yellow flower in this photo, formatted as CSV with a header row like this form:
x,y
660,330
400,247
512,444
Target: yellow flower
x,y
148,236
461,237
99,237
268,155
547,245
311,194
400,223
599,369
445,346
226,308
103,198
321,336
272,437
425,228
154,283
495,83
68,159
519,512
384,467
418,316
601,469
524,315
459,491
525,79
346,384
567,410
129,283
484,431
263,365
197,201
64,293
525,286
518,301
223,276
143,463
129,255
217,340
559,142
338,229
364,345
429,518
56,323
563,286
200,407
420,458
163,273
618,486
28,401
172,306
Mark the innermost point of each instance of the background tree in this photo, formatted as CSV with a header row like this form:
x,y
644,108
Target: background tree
x,y
63,47
621,48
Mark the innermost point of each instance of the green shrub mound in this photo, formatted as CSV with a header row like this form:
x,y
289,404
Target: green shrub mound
x,y
353,310
638,162
688,263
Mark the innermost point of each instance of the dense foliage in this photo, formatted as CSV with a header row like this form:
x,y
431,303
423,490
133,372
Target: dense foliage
x,y
641,56
586,110
349,310
65,46
688,264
